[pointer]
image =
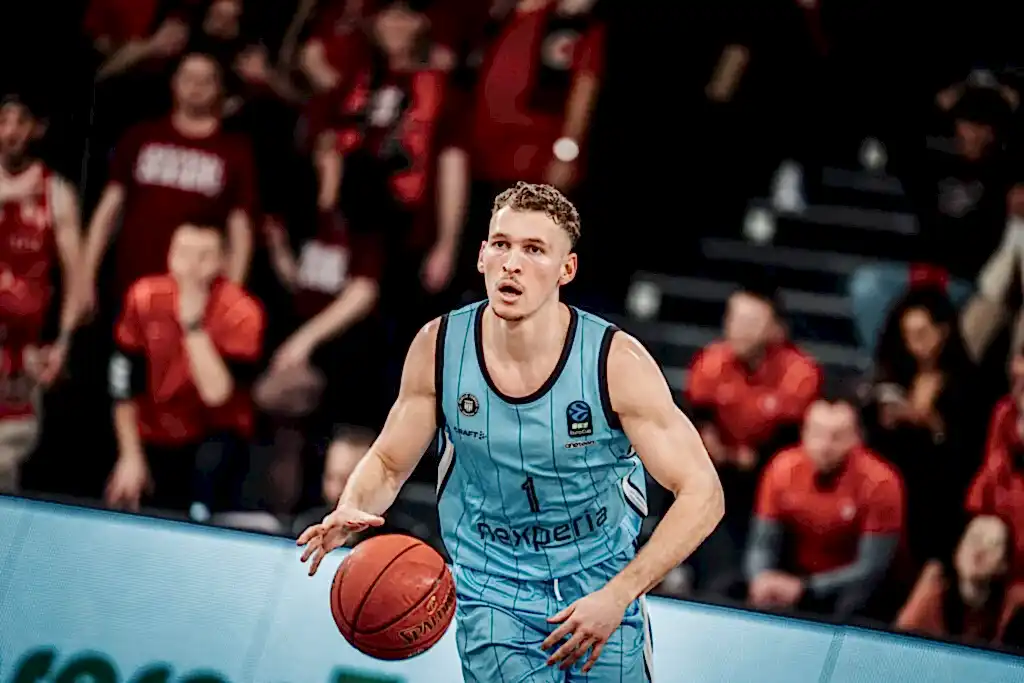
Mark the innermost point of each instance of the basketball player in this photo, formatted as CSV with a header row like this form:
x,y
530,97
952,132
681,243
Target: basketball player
x,y
548,417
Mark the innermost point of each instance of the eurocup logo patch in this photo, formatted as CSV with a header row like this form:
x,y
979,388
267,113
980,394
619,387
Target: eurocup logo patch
x,y
578,419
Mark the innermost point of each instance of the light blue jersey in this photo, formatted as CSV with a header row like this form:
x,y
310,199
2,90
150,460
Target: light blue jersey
x,y
539,487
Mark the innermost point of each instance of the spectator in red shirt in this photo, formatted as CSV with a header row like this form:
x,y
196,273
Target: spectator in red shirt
x,y
172,171
966,596
828,520
748,388
188,344
337,45
998,486
39,231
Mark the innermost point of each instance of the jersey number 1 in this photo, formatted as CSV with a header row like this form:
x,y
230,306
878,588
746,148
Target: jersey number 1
x,y
531,494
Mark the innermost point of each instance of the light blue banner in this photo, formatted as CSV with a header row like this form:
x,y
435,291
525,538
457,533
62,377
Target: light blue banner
x,y
95,597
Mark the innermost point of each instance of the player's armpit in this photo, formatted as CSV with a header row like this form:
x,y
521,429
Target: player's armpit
x,y
672,451
410,426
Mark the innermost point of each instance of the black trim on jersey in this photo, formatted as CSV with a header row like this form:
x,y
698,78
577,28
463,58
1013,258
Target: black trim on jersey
x,y
442,444
570,340
602,377
442,331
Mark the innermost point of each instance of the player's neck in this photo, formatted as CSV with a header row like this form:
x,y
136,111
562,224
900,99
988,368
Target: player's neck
x,y
194,125
521,340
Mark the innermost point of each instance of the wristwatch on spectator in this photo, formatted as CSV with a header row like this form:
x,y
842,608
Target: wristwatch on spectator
x,y
566,150
193,325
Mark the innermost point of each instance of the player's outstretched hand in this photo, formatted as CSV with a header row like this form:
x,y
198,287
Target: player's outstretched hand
x,y
589,622
333,532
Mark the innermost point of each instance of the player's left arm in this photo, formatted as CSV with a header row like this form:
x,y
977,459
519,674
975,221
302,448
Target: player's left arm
x,y
673,453
67,235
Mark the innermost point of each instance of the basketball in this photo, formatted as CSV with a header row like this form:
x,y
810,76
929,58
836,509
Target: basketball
x,y
393,597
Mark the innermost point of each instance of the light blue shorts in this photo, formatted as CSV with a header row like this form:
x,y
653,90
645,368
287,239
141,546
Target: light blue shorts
x,y
501,623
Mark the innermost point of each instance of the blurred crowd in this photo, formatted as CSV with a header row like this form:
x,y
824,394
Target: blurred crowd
x,y
204,308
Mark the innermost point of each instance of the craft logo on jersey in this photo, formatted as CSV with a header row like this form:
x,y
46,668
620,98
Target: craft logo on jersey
x,y
468,405
577,416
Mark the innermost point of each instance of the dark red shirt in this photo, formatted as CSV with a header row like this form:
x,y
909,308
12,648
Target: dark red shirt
x,y
998,486
329,261
171,411
512,140
825,524
28,258
748,405
120,21
170,179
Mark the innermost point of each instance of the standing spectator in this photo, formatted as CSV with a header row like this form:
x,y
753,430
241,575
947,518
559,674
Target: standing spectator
x,y
396,180
964,595
172,171
962,212
828,520
39,230
337,46
927,416
747,394
998,486
188,344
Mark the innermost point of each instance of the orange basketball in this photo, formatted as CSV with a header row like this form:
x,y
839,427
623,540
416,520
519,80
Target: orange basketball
x,y
393,597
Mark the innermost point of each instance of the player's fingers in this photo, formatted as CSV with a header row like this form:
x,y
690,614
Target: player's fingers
x,y
308,535
371,520
318,557
556,636
577,653
314,545
594,654
567,648
563,615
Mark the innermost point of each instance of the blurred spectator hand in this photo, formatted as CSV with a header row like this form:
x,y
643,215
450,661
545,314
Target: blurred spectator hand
x,y
561,174
775,589
252,65
129,480
45,364
169,39
746,458
718,451
438,267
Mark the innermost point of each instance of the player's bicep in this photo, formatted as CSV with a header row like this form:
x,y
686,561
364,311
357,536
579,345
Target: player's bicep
x,y
664,438
412,420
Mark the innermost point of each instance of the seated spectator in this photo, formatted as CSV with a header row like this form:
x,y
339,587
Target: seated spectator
x,y
347,448
965,596
188,343
330,370
926,415
39,231
172,171
998,485
828,520
747,394
963,215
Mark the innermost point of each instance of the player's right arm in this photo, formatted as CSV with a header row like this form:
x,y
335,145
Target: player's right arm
x,y
380,475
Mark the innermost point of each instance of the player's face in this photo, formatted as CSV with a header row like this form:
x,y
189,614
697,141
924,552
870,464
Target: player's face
x,y
526,258
196,254
16,130
197,85
829,434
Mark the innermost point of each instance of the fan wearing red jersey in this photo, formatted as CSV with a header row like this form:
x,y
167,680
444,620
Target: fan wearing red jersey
x,y
182,169
188,344
38,230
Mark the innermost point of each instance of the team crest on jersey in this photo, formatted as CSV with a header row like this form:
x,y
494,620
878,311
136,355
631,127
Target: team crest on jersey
x,y
468,405
578,419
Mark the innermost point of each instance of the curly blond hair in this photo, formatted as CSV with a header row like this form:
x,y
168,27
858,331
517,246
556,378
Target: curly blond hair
x,y
546,200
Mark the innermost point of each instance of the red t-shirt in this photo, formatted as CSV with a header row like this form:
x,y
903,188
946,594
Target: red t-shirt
x,y
170,179
825,524
510,141
330,260
28,258
749,404
998,486
171,411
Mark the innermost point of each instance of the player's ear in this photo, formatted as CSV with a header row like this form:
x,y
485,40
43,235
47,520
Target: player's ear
x,y
568,269
480,257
